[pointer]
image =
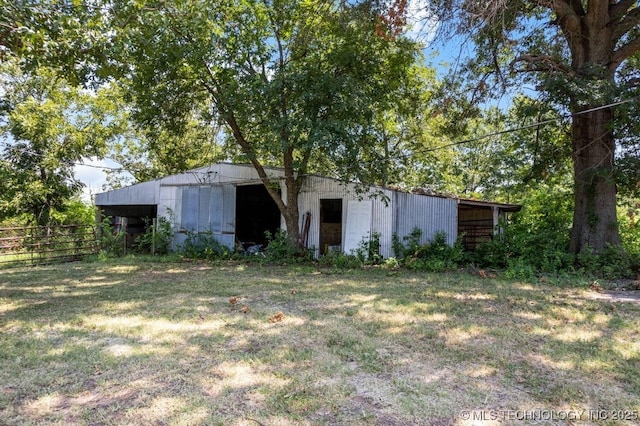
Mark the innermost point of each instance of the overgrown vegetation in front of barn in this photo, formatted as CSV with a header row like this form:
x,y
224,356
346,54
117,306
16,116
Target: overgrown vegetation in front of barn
x,y
533,243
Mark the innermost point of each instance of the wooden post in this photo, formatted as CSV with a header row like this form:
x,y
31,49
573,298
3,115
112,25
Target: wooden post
x,y
31,243
123,229
154,223
97,233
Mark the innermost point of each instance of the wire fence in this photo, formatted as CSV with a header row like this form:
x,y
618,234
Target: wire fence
x,y
47,244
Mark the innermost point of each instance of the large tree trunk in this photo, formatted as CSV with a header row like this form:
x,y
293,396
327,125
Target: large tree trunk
x,y
591,40
594,217
289,210
291,213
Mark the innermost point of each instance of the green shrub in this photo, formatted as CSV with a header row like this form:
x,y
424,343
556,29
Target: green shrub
x,y
368,251
434,256
495,253
280,249
111,242
630,234
536,240
156,240
390,263
203,245
611,263
340,260
428,264
409,244
518,269
537,236
438,248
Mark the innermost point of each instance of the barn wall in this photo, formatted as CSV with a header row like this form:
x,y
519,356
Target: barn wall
x,y
219,174
168,203
203,208
145,193
427,213
392,212
317,188
221,222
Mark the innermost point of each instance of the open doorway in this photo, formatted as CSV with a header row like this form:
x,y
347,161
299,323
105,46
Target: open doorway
x,y
256,212
475,224
330,225
133,219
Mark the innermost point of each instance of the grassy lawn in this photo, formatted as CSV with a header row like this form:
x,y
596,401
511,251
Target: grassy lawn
x,y
137,342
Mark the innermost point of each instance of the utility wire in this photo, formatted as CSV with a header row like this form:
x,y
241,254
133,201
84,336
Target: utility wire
x,y
462,142
528,126
95,166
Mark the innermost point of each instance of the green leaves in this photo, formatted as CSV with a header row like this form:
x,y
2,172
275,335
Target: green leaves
x,y
294,77
48,126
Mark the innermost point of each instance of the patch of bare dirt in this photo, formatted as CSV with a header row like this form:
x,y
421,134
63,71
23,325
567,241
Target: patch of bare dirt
x,y
630,296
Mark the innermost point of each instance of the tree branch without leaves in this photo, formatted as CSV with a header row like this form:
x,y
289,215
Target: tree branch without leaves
x,y
629,21
542,63
624,52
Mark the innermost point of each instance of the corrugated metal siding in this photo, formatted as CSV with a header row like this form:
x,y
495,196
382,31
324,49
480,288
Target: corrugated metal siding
x,y
429,214
148,193
167,203
215,207
400,213
219,174
145,193
383,221
229,211
317,188
208,208
190,209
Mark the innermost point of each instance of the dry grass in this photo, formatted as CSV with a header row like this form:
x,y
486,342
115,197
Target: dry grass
x,y
137,342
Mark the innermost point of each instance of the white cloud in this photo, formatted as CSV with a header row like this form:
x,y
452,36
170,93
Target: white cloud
x,y
421,25
92,174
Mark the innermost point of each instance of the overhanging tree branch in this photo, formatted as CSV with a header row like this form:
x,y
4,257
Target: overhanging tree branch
x,y
542,63
624,52
622,7
626,24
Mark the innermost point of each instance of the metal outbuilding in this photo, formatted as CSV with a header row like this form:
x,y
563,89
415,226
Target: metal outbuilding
x,y
230,201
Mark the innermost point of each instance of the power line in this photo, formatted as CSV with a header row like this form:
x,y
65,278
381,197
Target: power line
x,y
462,142
95,166
528,126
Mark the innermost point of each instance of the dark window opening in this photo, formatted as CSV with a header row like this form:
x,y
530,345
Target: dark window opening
x,y
330,225
256,213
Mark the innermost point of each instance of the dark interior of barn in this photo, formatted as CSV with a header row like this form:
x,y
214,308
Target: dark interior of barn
x,y
256,213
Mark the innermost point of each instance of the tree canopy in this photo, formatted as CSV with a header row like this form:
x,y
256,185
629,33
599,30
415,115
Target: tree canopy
x,y
582,57
47,126
294,82
329,87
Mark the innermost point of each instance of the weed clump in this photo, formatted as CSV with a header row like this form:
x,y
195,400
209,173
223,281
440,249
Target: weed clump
x,y
435,255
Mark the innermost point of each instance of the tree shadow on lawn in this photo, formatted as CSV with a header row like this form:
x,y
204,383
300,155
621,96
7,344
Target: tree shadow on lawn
x,y
163,344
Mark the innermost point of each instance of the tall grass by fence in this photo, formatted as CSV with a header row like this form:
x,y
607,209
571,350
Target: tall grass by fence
x,y
47,244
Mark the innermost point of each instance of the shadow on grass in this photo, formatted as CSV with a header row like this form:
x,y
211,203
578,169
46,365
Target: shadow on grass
x,y
144,343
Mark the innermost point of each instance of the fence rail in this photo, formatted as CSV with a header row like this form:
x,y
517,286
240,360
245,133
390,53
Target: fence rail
x,y
47,244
